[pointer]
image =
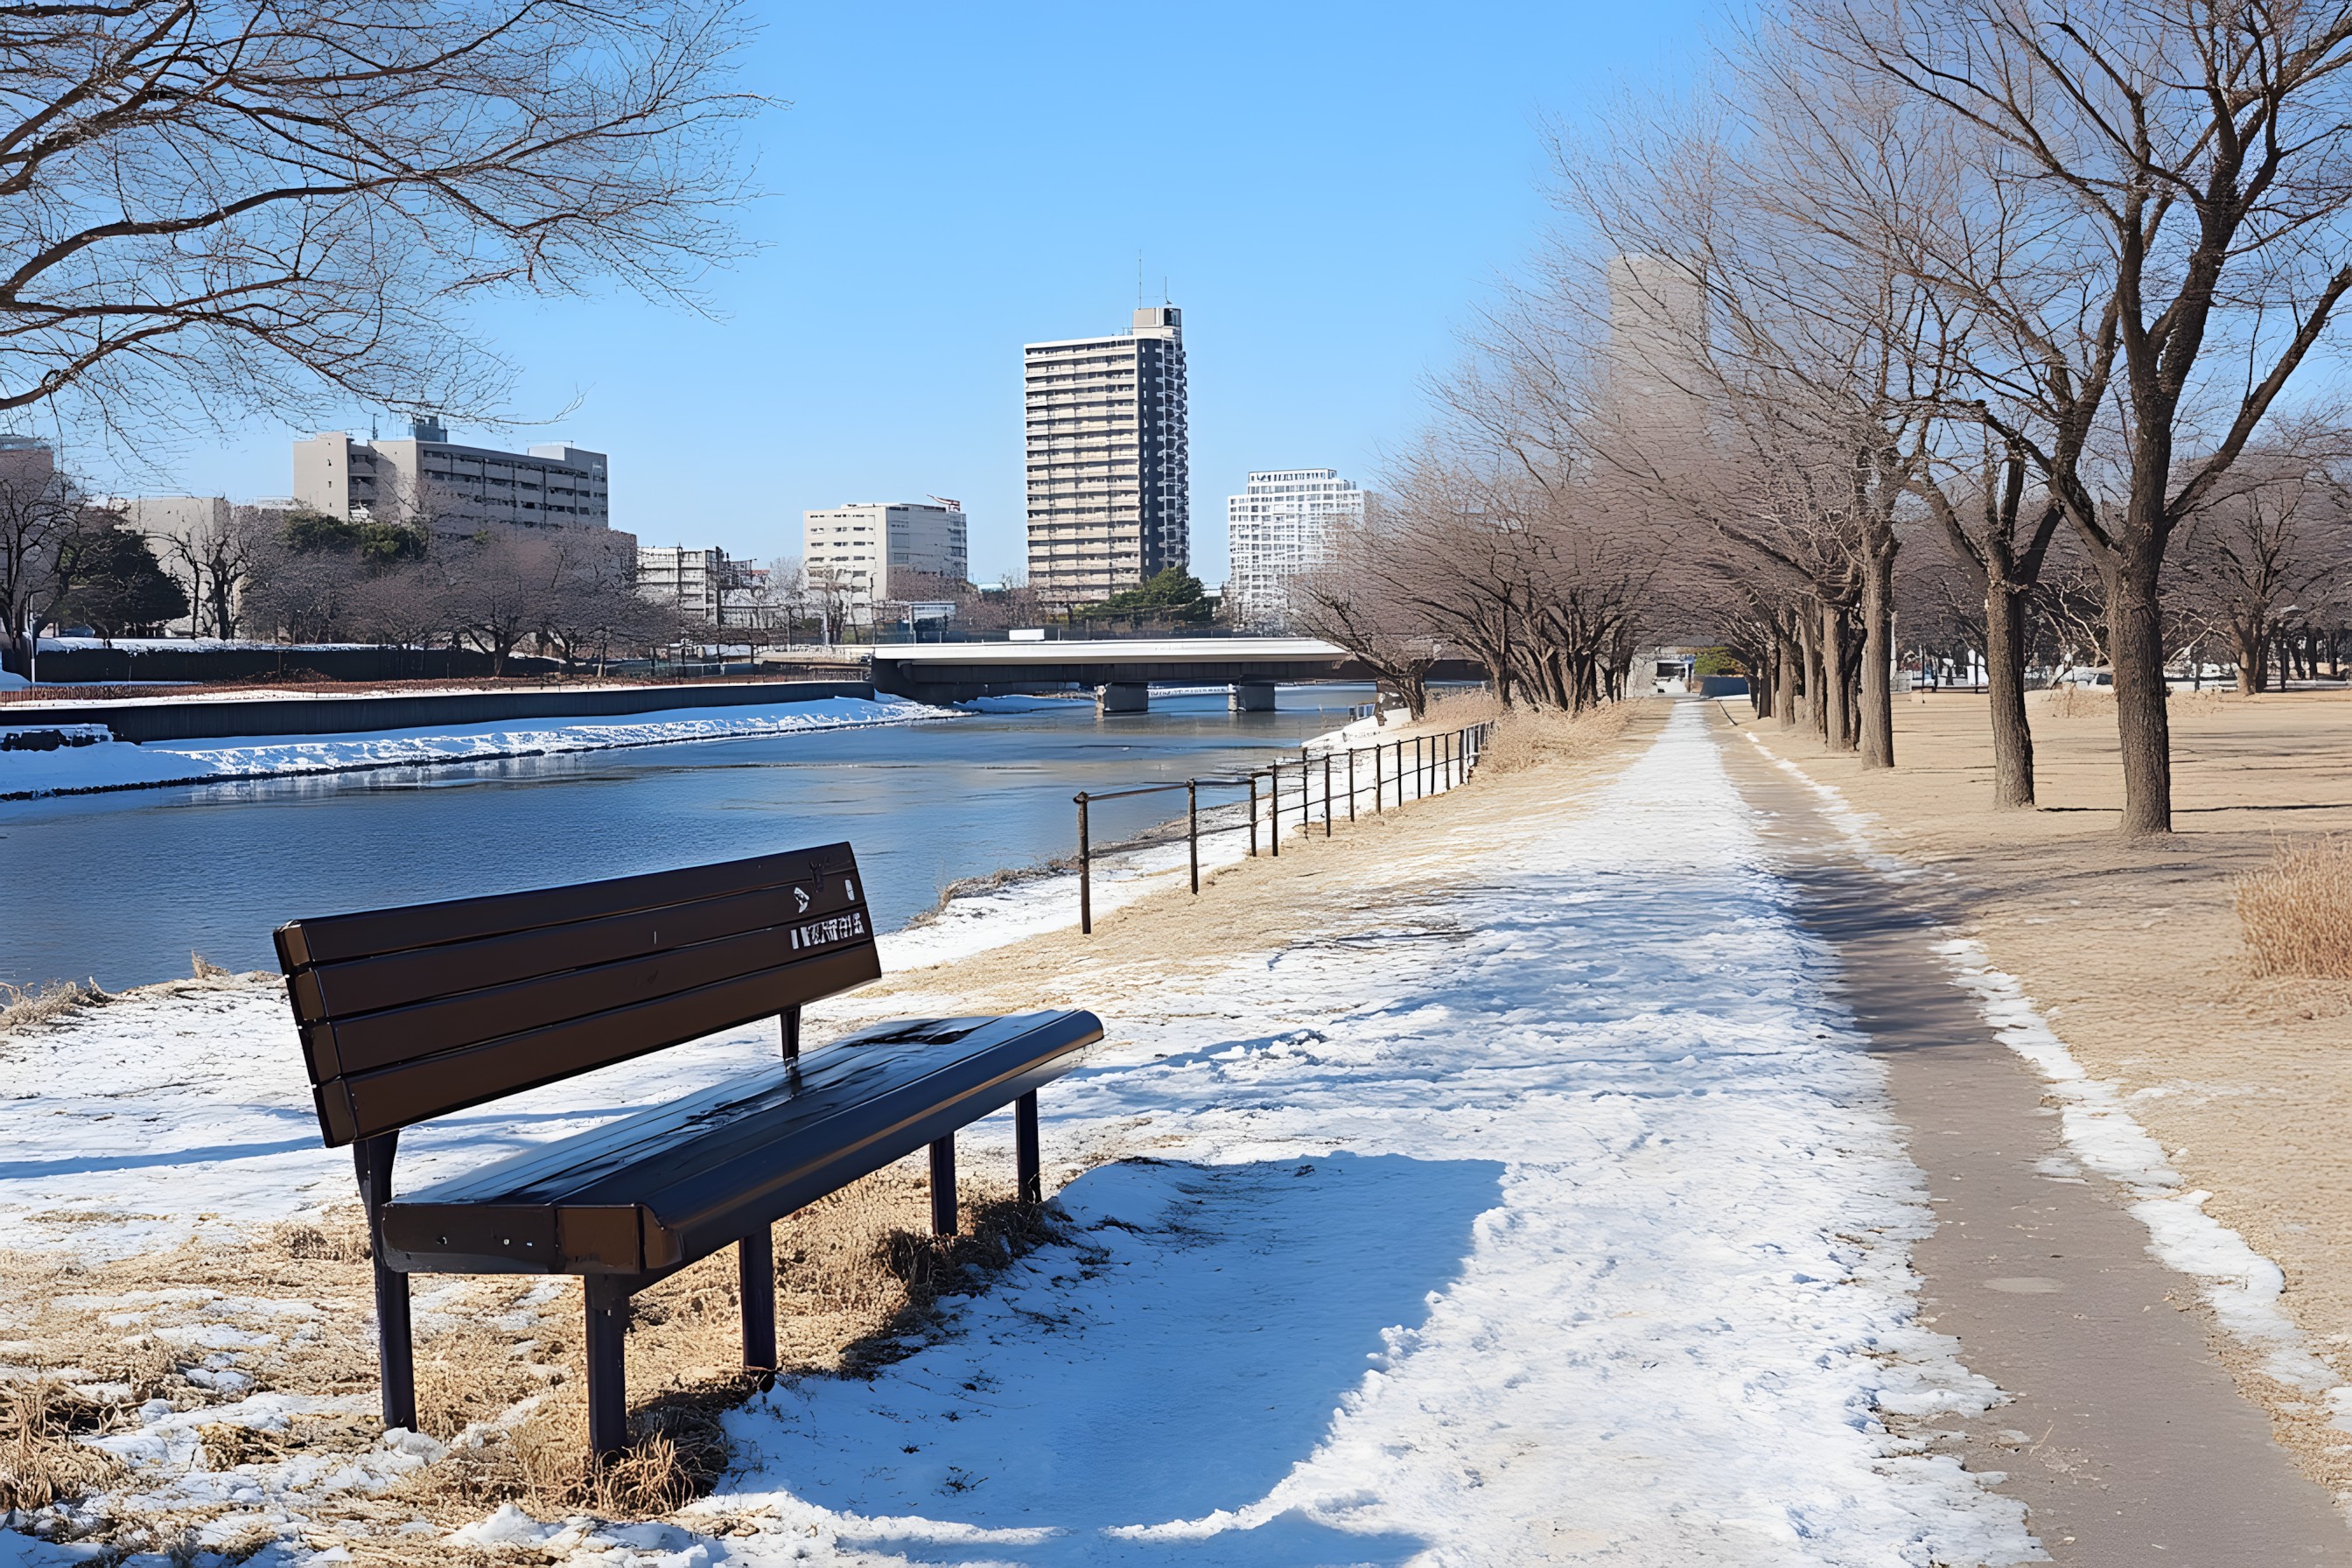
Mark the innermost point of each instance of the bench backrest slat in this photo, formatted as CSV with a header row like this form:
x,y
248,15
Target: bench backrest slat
x,y
410,1013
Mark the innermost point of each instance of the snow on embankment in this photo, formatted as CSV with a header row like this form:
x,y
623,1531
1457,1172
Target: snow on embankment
x,y
85,768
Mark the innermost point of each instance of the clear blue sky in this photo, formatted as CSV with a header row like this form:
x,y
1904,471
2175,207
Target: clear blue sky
x,y
1327,190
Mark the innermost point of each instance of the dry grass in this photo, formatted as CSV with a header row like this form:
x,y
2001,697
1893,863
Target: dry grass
x,y
2297,911
205,969
497,1374
28,1006
41,1456
2075,702
857,1286
1529,738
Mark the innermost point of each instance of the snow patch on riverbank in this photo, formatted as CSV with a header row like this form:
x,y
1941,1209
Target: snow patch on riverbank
x,y
117,764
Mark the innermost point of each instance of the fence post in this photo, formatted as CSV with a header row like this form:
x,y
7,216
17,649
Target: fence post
x,y
1352,784
1085,873
1274,810
1306,794
1192,827
1253,783
1327,795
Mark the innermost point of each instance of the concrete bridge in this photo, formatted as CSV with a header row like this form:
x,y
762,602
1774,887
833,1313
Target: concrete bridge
x,y
1121,671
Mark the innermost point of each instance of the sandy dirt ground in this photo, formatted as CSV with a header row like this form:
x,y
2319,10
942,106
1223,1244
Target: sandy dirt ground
x,y
2135,955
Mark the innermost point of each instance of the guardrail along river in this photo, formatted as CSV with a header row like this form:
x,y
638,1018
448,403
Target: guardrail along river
x,y
122,887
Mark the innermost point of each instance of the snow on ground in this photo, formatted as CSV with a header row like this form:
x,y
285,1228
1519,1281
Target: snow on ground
x,y
1556,1212
121,765
1552,1214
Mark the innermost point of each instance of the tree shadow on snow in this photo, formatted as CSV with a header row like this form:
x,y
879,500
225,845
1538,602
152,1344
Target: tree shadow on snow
x,y
1178,1358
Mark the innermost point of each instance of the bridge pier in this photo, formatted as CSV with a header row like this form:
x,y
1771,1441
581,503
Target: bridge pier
x,y
1123,697
1251,696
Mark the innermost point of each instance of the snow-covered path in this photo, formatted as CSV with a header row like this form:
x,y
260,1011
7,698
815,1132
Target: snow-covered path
x,y
1555,1217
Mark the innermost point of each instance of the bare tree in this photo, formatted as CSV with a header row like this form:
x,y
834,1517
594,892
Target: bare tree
x,y
44,518
2274,546
1346,601
255,206
212,560
591,607
2169,184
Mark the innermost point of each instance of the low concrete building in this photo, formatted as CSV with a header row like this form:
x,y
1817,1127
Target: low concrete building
x,y
852,553
456,490
700,583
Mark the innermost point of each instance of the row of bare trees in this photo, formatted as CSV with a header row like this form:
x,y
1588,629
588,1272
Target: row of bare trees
x,y
2031,290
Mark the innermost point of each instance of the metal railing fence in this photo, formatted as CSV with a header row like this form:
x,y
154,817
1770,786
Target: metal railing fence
x,y
1439,762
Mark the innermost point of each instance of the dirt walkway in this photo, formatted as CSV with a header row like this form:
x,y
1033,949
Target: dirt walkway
x,y
2135,954
2124,1434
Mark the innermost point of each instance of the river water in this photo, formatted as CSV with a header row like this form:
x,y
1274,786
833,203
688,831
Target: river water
x,y
122,888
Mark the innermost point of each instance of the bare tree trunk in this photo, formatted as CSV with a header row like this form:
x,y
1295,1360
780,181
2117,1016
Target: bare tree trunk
x,y
2136,653
1877,720
1817,707
1784,697
1833,725
2012,736
2246,648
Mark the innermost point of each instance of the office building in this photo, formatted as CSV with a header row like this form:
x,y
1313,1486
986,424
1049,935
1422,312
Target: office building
x,y
1109,492
864,554
454,489
1281,525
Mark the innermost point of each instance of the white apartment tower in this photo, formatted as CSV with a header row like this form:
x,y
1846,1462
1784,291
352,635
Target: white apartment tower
x,y
1110,481
456,489
1282,525
854,549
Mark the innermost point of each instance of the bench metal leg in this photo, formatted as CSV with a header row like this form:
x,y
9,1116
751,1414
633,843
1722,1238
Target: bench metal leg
x,y
395,1352
943,1186
607,1302
1025,1163
755,1264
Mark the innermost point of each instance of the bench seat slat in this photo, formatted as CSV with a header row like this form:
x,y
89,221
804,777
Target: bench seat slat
x,y
362,1105
676,1182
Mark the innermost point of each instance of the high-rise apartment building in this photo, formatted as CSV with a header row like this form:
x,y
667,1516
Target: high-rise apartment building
x,y
1108,460
456,489
865,552
1279,526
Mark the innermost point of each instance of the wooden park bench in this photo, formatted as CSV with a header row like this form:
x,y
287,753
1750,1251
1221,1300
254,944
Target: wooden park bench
x,y
409,1014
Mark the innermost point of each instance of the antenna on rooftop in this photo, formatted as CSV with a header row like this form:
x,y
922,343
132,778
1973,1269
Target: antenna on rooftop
x,y
1138,280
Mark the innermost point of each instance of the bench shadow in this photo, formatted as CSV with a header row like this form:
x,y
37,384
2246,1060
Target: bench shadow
x,y
1167,1366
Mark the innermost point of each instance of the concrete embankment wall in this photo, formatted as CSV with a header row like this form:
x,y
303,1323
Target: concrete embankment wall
x,y
165,719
